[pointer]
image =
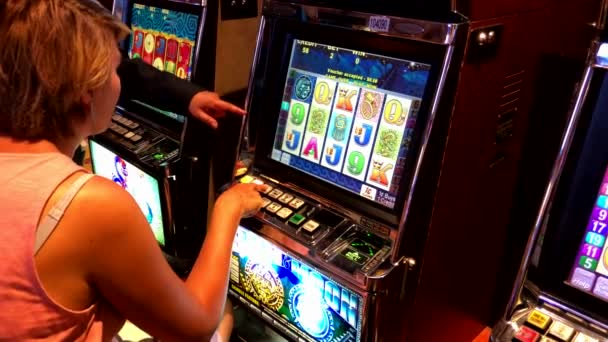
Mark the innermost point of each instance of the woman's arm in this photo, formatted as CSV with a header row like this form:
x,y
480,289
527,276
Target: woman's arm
x,y
125,263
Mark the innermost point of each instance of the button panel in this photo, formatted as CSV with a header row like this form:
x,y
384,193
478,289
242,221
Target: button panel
x,y
335,238
147,144
550,324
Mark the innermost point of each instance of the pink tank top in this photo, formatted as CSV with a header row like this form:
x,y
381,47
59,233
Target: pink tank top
x,y
27,313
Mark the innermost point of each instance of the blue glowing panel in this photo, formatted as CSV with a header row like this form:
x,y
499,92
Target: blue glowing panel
x,y
301,299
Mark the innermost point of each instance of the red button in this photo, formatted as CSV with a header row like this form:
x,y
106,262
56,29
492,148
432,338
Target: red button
x,y
526,334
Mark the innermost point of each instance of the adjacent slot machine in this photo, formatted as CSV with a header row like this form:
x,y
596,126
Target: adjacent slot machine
x,y
562,290
160,148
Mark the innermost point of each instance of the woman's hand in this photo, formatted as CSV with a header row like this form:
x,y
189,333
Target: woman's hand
x,y
245,196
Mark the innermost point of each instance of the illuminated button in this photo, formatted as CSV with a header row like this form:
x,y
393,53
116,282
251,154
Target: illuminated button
x,y
265,202
276,193
127,122
561,330
258,182
601,285
285,198
525,334
136,138
273,207
547,339
310,226
284,213
580,337
539,320
133,125
129,135
268,189
247,179
297,219
296,203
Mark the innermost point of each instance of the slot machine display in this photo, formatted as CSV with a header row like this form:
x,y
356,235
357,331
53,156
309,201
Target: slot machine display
x,y
391,136
146,189
161,153
562,290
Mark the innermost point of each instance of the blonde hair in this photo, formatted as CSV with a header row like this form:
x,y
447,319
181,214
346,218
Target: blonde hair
x,y
52,51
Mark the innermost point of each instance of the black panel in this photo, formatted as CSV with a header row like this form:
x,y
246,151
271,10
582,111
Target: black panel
x,y
436,10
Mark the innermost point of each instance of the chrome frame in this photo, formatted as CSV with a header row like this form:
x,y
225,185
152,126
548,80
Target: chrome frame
x,y
256,57
425,141
431,32
568,309
540,222
199,38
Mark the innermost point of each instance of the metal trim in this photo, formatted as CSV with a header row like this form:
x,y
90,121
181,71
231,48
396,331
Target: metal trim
x,y
570,310
558,166
169,203
118,8
428,31
199,39
425,141
254,63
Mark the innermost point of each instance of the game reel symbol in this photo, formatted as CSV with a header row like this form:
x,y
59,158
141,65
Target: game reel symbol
x,y
303,87
298,111
370,106
317,121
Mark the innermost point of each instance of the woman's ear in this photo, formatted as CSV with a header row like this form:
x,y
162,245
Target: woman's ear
x,y
86,100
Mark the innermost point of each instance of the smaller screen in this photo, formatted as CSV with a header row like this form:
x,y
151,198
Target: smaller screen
x,y
590,272
348,117
164,38
310,305
142,187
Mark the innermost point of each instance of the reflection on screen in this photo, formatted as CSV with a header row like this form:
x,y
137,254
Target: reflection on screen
x,y
143,187
590,272
347,117
164,38
297,296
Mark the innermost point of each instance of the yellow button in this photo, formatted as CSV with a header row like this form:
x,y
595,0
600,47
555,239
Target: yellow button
x,y
539,320
247,179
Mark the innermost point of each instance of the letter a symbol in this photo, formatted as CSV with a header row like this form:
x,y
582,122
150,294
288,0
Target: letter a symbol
x,y
337,154
311,148
363,135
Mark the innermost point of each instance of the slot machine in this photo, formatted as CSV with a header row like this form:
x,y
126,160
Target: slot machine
x,y
390,136
561,293
348,112
160,157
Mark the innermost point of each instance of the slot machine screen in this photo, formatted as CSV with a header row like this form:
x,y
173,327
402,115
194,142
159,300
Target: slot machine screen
x,y
311,306
590,271
164,38
348,117
143,187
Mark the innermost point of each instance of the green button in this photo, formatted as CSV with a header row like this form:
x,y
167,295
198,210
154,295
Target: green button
x,y
588,263
297,219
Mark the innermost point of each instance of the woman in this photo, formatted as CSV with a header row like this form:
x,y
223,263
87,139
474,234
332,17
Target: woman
x,y
78,256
